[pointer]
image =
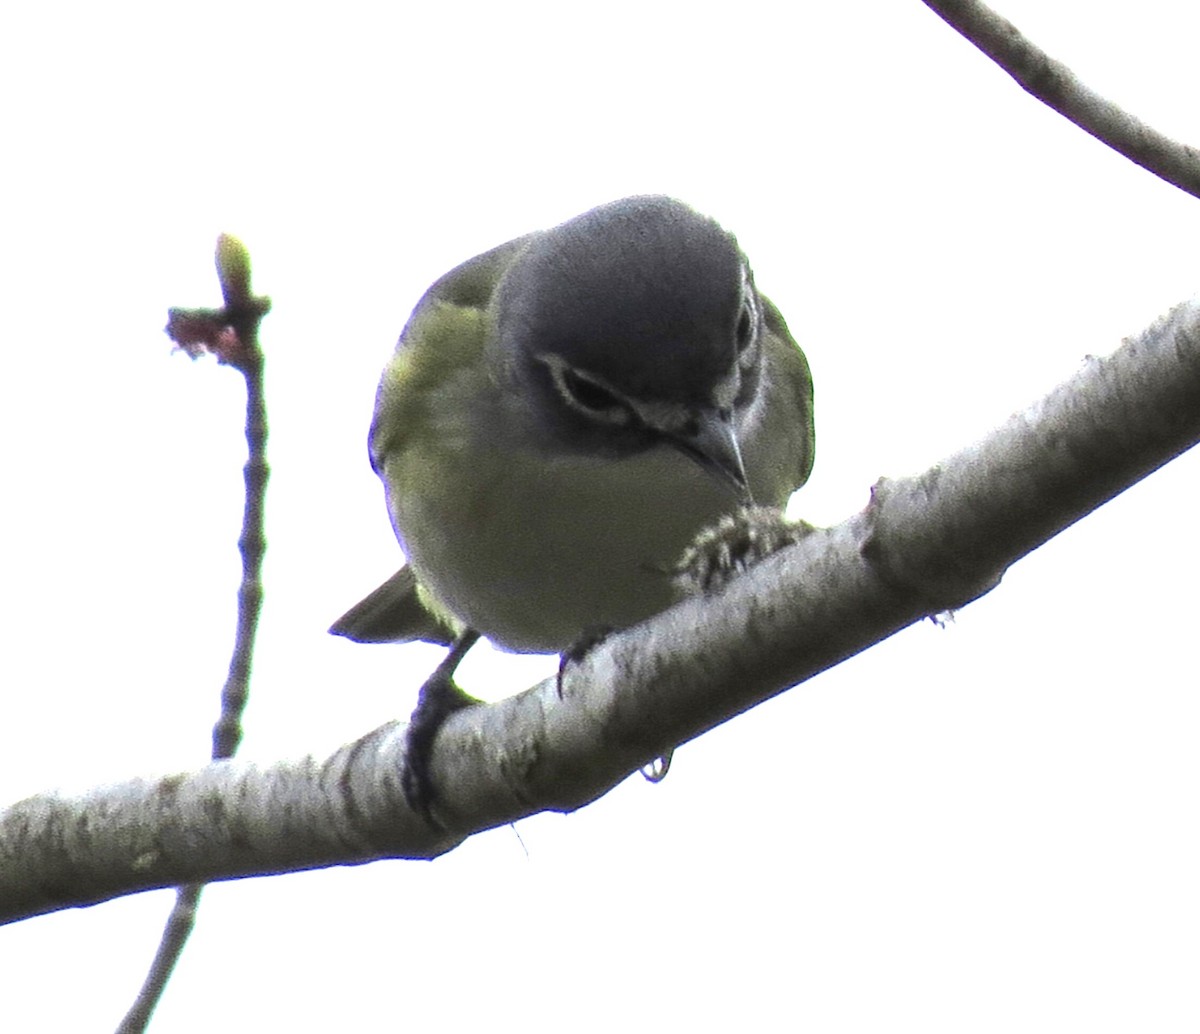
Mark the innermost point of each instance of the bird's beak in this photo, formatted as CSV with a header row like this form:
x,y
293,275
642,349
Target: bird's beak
x,y
711,440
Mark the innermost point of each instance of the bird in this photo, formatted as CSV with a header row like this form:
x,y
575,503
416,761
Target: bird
x,y
561,417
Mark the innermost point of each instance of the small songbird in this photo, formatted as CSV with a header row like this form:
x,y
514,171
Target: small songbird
x,y
561,417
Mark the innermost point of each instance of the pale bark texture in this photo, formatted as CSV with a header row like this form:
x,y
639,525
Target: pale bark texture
x,y
922,546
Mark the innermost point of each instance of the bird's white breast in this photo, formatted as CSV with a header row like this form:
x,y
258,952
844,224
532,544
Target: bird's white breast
x,y
535,552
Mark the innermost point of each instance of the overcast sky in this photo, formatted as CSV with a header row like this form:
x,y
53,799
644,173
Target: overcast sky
x,y
986,827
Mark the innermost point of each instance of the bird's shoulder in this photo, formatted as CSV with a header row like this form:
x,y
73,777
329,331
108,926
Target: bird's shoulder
x,y
444,335
471,284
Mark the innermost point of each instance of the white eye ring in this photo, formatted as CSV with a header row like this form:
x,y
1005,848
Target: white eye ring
x,y
746,325
745,331
588,394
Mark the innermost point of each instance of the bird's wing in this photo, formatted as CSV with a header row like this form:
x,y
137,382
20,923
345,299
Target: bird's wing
x,y
791,379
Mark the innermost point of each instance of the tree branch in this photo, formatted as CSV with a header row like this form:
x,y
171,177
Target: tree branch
x,y
1055,85
922,545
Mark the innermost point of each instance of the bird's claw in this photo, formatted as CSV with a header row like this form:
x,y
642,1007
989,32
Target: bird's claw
x,y
440,697
734,544
578,650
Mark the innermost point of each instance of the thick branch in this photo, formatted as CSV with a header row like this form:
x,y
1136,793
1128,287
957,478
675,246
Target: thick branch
x,y
1055,85
923,545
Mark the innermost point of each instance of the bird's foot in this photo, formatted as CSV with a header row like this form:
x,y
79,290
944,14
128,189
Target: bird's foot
x,y
440,697
733,545
578,650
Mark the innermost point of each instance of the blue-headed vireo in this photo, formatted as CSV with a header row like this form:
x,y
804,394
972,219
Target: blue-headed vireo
x,y
561,417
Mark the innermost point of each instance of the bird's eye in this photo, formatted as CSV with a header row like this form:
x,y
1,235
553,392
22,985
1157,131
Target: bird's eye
x,y
592,397
744,332
587,393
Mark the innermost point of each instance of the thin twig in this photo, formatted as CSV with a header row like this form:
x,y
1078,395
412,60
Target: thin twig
x,y
227,732
231,333
1056,86
175,935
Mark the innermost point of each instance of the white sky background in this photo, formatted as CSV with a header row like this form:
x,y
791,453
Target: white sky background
x,y
988,827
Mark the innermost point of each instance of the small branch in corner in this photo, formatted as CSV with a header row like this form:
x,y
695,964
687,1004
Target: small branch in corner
x,y
1056,86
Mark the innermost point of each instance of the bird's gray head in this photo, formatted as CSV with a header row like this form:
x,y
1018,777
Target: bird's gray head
x,y
634,324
